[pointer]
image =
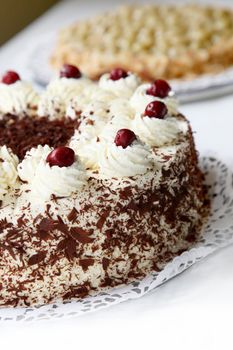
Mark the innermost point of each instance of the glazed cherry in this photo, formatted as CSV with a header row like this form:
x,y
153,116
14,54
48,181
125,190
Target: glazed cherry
x,y
69,71
117,73
124,137
61,156
156,109
10,77
159,88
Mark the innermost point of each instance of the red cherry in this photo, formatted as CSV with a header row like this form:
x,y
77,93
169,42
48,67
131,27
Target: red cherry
x,y
61,156
124,137
69,71
117,74
10,77
156,109
159,88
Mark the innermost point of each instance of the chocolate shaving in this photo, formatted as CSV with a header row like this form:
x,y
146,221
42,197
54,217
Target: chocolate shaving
x,y
68,245
81,235
79,292
105,263
72,216
102,219
36,258
21,134
85,263
70,249
46,225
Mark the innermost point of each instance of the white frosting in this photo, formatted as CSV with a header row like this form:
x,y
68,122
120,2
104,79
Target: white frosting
x,y
59,94
52,107
121,87
108,133
84,142
94,117
157,132
76,105
87,149
120,107
18,98
45,180
28,167
121,115
140,100
91,95
8,170
99,94
61,182
67,87
97,110
116,161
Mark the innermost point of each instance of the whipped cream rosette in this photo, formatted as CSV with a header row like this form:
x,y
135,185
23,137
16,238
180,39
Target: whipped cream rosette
x,y
47,178
17,96
143,96
119,82
8,171
116,161
60,92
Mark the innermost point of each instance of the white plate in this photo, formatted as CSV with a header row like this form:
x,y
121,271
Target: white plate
x,y
206,86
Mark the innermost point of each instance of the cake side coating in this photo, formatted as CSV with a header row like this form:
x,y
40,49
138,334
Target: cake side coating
x,y
117,212
117,232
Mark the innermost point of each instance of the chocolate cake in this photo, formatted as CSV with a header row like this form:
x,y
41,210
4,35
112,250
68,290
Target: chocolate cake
x,y
99,185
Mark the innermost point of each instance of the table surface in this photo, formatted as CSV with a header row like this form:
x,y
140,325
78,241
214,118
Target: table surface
x,y
193,310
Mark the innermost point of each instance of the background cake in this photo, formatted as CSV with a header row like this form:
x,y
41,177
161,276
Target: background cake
x,y
99,185
169,41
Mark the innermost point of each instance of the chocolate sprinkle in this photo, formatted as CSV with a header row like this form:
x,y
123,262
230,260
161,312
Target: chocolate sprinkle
x,y
36,258
23,134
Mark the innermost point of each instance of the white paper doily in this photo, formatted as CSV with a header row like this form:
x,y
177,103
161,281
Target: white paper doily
x,y
200,88
217,234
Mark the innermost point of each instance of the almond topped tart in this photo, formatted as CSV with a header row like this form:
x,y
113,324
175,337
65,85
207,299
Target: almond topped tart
x,y
169,41
99,185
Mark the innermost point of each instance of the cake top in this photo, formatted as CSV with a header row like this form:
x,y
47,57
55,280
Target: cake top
x,y
116,129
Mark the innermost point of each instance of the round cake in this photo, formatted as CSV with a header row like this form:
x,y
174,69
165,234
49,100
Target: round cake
x,y
99,185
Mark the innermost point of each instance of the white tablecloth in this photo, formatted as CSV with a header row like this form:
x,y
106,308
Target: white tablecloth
x,y
192,311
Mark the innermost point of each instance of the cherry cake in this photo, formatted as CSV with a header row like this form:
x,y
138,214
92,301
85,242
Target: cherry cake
x,y
99,185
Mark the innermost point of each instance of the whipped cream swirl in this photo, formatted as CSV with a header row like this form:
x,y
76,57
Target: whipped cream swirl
x,y
108,133
28,167
120,107
140,100
87,148
45,180
121,114
18,98
102,95
121,87
116,161
61,182
157,132
59,93
91,95
85,140
8,170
